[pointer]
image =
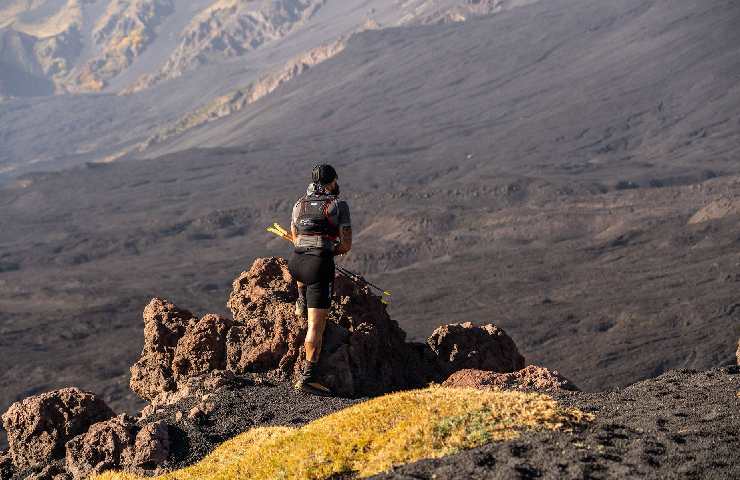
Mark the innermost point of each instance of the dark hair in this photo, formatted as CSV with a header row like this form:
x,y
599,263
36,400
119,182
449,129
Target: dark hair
x,y
323,174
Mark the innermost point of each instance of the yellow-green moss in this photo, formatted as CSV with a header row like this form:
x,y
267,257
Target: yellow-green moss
x,y
370,437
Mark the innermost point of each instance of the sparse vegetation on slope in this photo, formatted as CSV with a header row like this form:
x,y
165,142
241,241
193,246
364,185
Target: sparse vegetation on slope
x,y
371,437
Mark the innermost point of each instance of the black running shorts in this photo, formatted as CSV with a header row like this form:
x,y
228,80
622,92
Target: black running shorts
x,y
317,273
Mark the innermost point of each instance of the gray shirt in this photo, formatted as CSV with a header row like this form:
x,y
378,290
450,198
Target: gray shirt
x,y
338,214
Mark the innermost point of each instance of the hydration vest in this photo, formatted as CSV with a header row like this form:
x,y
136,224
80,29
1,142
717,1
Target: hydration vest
x,y
313,217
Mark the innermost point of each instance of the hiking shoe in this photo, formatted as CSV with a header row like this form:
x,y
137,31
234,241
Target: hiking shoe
x,y
309,383
300,308
313,388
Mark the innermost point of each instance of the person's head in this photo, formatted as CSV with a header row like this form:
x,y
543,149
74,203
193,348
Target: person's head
x,y
326,176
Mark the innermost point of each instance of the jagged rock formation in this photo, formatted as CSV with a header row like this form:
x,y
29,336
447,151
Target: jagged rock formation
x,y
38,427
230,28
468,346
73,433
364,351
164,325
529,378
186,361
122,34
104,446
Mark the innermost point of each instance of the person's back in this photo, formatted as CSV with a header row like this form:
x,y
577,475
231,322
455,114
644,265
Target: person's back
x,y
321,228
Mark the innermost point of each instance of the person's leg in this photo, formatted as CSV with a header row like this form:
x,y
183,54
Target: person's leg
x,y
301,268
318,298
314,337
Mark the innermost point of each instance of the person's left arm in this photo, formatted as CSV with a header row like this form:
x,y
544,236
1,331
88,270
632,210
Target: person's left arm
x,y
345,230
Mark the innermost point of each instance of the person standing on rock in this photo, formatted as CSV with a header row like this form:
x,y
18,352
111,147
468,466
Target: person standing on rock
x,y
321,229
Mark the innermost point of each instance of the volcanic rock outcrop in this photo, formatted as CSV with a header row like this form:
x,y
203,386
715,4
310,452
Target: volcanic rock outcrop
x,y
105,445
364,351
531,377
38,427
187,360
466,345
164,325
69,432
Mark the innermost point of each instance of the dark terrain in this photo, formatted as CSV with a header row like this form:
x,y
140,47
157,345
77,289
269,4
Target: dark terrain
x,y
537,169
683,424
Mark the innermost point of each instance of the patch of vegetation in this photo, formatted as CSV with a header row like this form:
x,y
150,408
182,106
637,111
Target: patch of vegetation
x,y
370,437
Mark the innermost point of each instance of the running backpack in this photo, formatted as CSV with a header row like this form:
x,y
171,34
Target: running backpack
x,y
313,217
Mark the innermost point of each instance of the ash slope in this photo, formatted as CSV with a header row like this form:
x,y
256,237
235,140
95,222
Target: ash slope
x,y
482,208
565,88
171,59
681,424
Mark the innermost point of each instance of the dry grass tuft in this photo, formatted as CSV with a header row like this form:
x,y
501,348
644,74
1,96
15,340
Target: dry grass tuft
x,y
369,438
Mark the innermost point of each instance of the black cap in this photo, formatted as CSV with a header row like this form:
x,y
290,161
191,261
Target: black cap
x,y
323,174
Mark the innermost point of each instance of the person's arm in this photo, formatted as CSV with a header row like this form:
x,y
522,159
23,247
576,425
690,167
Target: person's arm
x,y
293,230
345,241
345,230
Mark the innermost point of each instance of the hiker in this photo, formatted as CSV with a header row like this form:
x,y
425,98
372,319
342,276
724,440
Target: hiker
x,y
321,229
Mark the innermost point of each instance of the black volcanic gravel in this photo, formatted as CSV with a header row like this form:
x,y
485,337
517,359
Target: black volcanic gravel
x,y
683,424
238,409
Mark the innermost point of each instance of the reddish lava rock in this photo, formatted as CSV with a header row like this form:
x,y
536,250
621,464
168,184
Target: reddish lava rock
x,y
266,334
529,378
164,325
364,351
39,426
465,345
202,348
106,445
152,446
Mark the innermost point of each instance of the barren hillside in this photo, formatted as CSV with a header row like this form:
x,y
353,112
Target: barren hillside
x,y
567,170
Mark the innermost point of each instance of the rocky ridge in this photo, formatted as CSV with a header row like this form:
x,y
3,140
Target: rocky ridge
x,y
199,375
125,30
81,46
230,28
238,99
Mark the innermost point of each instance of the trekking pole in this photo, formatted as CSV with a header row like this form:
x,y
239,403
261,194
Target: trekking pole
x,y
280,232
362,281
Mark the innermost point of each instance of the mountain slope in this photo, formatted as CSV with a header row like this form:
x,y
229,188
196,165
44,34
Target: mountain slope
x,y
183,57
491,167
598,89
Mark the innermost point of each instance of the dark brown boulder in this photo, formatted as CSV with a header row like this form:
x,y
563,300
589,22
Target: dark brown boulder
x,y
202,348
465,345
529,378
152,446
104,446
39,426
164,325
